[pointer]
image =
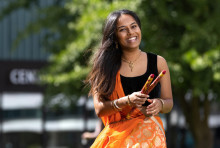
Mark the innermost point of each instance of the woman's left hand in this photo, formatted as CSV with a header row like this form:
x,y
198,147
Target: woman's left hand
x,y
155,107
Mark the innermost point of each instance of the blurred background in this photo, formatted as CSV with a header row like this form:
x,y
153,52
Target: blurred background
x,y
46,48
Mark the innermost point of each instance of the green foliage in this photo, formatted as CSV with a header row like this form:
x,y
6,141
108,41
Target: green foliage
x,y
78,38
187,34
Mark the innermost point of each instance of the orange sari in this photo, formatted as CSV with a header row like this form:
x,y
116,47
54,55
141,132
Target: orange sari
x,y
130,128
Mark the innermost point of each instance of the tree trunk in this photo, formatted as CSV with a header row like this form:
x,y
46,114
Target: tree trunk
x,y
204,139
198,121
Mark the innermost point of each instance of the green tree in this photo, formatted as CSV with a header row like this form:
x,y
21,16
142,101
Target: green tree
x,y
71,65
184,32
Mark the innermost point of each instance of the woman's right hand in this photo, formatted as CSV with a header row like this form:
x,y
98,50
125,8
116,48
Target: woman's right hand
x,y
137,99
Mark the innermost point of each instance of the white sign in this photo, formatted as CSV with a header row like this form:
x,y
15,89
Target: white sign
x,y
23,76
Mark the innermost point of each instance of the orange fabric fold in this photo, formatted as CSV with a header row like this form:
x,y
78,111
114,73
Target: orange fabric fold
x,y
118,127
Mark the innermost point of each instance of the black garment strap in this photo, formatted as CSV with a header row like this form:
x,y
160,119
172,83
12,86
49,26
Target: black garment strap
x,y
152,69
152,63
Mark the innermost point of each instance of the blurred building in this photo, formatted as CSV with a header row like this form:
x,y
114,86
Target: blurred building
x,y
24,122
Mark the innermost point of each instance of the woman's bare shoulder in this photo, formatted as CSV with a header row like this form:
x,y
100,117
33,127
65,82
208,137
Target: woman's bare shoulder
x,y
161,63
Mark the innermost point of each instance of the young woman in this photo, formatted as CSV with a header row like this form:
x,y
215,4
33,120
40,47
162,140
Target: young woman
x,y
120,69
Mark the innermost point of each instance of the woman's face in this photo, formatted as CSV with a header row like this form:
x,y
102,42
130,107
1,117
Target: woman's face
x,y
128,32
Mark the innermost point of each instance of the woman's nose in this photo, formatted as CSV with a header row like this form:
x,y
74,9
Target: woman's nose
x,y
130,31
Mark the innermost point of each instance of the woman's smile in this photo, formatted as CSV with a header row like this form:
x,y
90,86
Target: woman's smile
x,y
132,39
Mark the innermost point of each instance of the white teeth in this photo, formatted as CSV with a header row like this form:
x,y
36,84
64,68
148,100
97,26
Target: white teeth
x,y
133,38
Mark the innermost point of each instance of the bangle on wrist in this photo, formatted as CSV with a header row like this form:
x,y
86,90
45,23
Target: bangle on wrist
x,y
162,102
112,104
129,101
116,106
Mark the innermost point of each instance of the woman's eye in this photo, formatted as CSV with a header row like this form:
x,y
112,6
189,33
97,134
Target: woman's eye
x,y
134,26
122,29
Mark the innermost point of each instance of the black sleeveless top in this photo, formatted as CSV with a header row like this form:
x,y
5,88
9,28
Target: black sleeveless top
x,y
134,84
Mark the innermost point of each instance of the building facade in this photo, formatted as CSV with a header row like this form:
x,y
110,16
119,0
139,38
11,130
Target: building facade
x,y
24,122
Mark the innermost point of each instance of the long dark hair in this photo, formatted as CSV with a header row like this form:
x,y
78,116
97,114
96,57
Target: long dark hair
x,y
107,60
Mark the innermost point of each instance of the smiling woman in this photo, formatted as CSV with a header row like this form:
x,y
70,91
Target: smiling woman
x,y
128,32
120,69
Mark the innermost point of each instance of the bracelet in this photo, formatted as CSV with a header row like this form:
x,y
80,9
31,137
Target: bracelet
x,y
116,106
162,102
112,104
129,101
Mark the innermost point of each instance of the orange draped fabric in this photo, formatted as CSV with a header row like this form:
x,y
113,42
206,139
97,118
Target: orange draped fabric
x,y
129,128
